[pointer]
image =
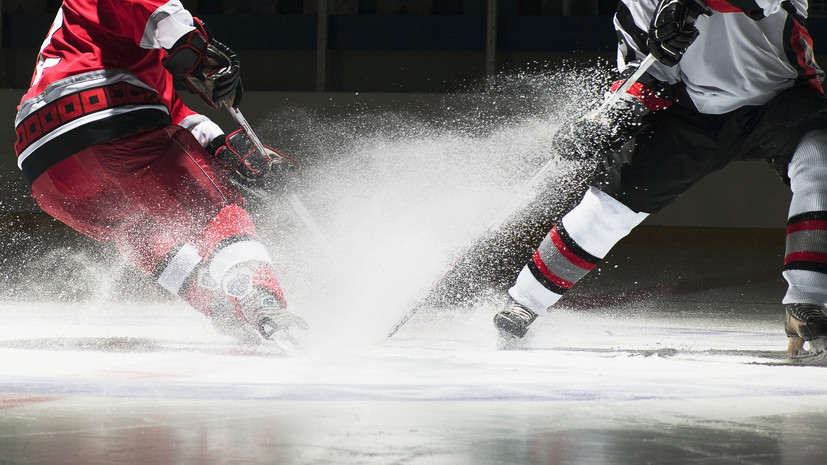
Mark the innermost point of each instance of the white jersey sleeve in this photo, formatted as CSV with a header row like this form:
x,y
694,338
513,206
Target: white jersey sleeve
x,y
747,52
166,25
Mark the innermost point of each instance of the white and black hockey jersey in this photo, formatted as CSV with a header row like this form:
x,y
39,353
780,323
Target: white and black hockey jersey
x,y
747,52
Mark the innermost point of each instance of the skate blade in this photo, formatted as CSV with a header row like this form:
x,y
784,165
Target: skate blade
x,y
507,341
816,351
282,342
287,333
244,334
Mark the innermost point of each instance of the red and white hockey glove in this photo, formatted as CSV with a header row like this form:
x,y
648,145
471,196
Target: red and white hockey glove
x,y
207,67
238,157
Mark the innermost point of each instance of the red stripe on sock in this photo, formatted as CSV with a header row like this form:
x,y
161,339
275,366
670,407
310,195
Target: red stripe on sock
x,y
816,257
558,281
811,225
568,253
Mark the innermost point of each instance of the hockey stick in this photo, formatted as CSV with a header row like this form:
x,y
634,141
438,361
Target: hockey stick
x,y
296,204
518,200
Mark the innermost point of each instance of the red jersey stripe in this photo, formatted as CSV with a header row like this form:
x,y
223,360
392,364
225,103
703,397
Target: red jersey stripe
x,y
802,45
722,6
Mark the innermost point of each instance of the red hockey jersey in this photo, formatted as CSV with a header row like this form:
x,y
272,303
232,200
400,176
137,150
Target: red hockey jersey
x,y
99,76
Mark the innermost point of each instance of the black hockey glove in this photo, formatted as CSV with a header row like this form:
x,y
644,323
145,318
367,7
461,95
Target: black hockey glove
x,y
673,30
596,133
224,71
207,67
238,157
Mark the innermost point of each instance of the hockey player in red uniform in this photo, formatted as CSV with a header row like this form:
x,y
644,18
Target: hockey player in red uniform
x,y
733,80
111,150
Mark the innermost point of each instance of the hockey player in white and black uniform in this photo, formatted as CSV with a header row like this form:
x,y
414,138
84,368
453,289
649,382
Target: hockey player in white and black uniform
x,y
734,80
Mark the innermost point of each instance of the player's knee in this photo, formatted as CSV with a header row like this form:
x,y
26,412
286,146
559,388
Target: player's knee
x,y
807,171
809,162
599,221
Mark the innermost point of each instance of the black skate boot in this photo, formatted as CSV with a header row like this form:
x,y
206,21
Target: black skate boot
x,y
513,320
273,322
806,323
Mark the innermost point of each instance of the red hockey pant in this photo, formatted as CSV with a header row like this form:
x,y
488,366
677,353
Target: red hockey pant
x,y
154,194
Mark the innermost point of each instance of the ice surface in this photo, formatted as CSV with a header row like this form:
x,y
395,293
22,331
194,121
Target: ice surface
x,y
154,384
166,350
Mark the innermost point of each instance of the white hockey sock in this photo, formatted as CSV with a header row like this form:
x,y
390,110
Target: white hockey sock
x,y
573,247
805,262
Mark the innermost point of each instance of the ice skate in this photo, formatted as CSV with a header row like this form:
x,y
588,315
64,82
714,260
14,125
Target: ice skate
x,y
272,321
227,322
806,323
512,323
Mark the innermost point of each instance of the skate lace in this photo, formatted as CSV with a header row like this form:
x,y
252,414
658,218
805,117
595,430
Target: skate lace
x,y
807,313
521,312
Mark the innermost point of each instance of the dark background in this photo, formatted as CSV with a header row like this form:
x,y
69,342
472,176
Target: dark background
x,y
372,45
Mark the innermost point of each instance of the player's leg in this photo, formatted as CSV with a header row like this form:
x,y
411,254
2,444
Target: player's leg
x,y
238,278
805,263
217,259
173,216
665,161
568,252
70,192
